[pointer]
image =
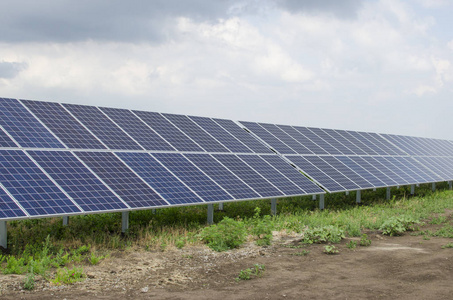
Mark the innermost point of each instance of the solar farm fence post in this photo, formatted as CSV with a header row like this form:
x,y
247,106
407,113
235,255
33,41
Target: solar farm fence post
x,y
65,221
412,189
347,193
210,214
273,207
358,198
388,194
3,234
321,201
124,221
220,206
449,185
433,187
313,198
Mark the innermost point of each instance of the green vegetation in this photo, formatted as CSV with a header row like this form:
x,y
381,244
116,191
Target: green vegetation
x,y
228,234
256,271
449,245
68,276
397,225
351,245
330,249
365,241
323,234
301,253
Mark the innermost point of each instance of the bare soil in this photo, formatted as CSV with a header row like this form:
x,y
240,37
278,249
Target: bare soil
x,y
402,267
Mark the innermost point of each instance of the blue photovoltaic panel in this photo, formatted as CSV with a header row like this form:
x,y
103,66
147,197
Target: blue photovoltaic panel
x,y
272,175
110,134
383,143
428,175
168,131
406,177
332,172
302,139
207,189
245,137
221,134
83,187
286,138
350,174
8,208
121,179
317,139
222,176
355,140
376,182
5,141
196,133
411,171
159,178
138,130
384,169
63,125
319,176
367,143
437,166
291,173
31,187
344,141
248,175
373,170
399,142
24,127
270,139
337,146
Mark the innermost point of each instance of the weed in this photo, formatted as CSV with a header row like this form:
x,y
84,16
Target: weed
x,y
14,266
438,220
180,243
446,232
398,225
67,276
29,280
426,238
330,249
322,234
351,244
449,245
225,235
94,260
262,228
365,241
301,253
247,274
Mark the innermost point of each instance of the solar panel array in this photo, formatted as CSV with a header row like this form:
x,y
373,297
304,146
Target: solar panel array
x,y
64,159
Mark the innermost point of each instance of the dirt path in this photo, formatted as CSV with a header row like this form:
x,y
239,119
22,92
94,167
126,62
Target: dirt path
x,y
405,267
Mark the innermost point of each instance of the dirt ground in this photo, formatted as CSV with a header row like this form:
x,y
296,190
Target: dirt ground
x,y
403,267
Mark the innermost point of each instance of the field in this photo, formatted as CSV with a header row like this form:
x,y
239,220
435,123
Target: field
x,y
401,248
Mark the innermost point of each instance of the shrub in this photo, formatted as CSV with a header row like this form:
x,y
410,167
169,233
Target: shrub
x,y
225,235
29,280
365,241
351,244
262,228
330,249
323,234
66,276
398,225
256,271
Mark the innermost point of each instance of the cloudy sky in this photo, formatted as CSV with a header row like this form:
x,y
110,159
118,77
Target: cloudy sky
x,y
376,65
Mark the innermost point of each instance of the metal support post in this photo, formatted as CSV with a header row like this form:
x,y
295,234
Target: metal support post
x,y
374,190
3,235
388,194
347,193
124,221
321,201
153,211
313,198
450,185
220,206
412,189
274,206
65,221
358,198
434,187
210,214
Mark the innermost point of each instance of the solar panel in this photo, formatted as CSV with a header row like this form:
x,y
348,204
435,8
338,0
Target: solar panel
x,y
286,139
346,171
248,175
436,165
214,129
319,176
125,183
384,167
335,147
8,208
188,173
222,176
63,125
411,171
168,131
270,139
292,174
196,133
159,178
24,127
5,140
384,144
137,129
110,134
428,175
362,171
340,143
406,177
243,136
374,170
360,143
302,139
308,132
83,187
31,187
365,141
272,175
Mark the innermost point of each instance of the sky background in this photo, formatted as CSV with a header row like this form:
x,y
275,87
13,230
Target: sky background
x,y
382,66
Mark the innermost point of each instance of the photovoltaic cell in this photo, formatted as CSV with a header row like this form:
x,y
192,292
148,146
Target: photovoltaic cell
x,y
266,136
286,138
159,178
346,171
222,176
31,187
360,143
428,175
63,125
376,182
23,126
138,130
207,189
168,131
436,165
302,139
248,175
5,141
384,144
417,175
337,146
221,134
272,175
110,134
319,176
338,142
8,208
406,177
83,187
121,179
364,140
294,175
245,137
386,170
196,133
310,134
373,170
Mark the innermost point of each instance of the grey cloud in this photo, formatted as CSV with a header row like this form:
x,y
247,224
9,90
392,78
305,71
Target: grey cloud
x,y
345,9
10,70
